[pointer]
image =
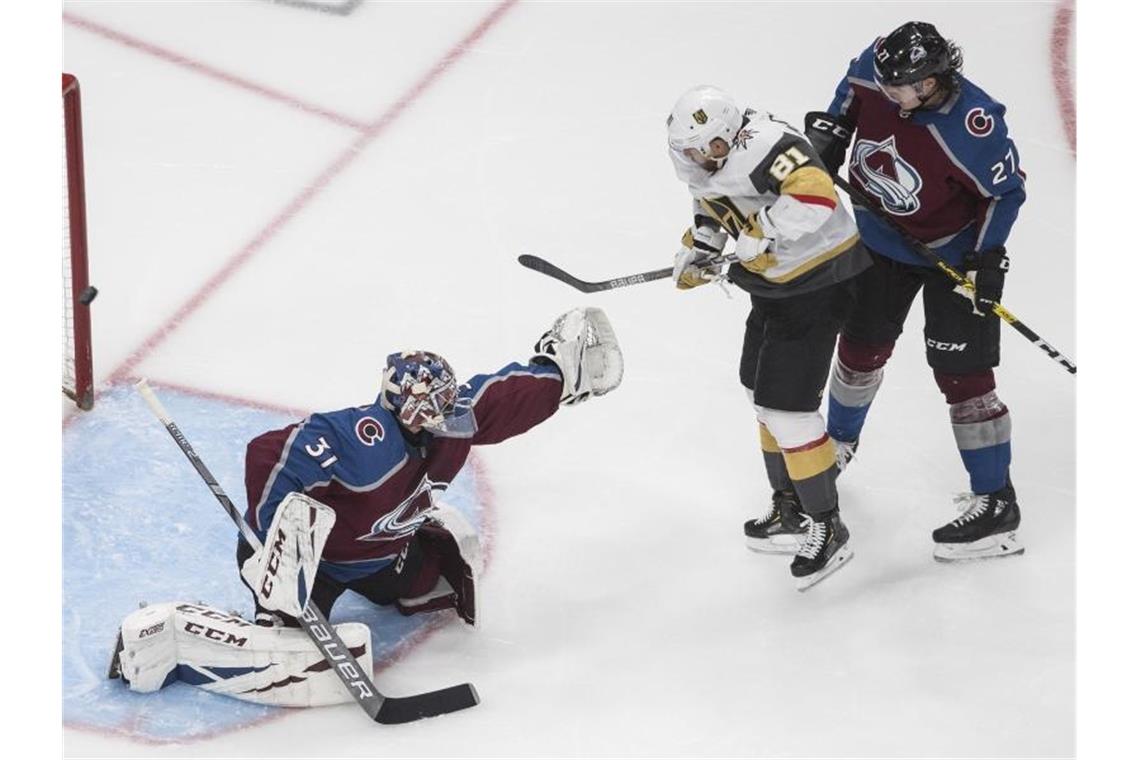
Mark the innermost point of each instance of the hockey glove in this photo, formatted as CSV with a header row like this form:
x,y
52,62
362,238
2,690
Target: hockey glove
x,y
753,244
986,269
829,135
697,244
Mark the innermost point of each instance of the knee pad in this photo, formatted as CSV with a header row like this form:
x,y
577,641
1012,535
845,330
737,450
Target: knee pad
x,y
961,388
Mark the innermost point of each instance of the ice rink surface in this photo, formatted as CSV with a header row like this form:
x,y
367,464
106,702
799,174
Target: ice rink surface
x,y
280,196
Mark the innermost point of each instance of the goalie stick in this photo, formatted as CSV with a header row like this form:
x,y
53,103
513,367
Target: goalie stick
x,y
960,279
380,708
545,267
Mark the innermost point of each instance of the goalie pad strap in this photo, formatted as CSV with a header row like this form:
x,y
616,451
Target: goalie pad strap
x,y
225,654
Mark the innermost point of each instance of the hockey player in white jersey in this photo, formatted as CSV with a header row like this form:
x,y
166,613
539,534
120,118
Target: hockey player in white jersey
x,y
758,180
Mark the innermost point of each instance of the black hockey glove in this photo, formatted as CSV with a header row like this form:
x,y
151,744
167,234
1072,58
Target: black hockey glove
x,y
830,136
988,269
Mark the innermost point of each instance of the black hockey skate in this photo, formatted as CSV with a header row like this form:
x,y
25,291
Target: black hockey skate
x,y
779,531
823,551
986,528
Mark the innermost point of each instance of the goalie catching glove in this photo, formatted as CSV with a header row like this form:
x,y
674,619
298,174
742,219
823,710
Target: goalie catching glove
x,y
583,346
281,575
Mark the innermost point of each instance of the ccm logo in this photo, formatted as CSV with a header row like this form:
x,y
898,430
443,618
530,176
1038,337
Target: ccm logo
x,y
823,125
939,345
215,635
273,564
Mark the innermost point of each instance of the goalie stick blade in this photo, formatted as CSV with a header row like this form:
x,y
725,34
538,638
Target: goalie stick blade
x,y
406,709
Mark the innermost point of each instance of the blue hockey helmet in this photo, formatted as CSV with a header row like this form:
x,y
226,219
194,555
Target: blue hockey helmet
x,y
420,389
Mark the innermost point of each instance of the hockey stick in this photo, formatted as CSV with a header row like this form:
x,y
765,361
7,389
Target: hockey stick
x,y
961,280
548,269
380,708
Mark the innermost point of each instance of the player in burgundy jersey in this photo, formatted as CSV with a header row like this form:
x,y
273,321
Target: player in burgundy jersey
x,y
931,149
381,467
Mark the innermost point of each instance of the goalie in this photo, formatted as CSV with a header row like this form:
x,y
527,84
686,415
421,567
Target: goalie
x,y
349,500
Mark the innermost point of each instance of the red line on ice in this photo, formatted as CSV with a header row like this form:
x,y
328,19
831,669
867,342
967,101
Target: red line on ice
x,y
311,190
206,70
1062,76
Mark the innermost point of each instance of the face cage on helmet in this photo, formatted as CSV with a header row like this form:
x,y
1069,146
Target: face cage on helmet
x,y
428,406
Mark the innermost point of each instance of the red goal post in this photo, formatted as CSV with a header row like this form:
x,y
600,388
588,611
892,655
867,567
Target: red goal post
x,y
78,381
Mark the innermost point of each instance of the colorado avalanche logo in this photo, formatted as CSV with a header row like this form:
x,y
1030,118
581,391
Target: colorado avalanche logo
x,y
882,171
369,431
406,518
979,123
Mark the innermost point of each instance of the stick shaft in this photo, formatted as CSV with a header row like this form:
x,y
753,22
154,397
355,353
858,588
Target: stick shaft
x,y
960,279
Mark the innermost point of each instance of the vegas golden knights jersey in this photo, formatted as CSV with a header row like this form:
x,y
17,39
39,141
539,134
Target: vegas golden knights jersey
x,y
774,182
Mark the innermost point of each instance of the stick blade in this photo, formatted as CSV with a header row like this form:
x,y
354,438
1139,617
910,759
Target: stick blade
x,y
428,705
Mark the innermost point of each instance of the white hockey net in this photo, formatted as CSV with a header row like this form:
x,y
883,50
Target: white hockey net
x,y
77,367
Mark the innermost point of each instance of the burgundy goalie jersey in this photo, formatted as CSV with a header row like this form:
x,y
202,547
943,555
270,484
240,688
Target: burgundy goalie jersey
x,y
378,478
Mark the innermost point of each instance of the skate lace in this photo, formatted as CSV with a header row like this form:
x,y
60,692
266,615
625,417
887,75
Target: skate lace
x,y
814,539
769,515
971,505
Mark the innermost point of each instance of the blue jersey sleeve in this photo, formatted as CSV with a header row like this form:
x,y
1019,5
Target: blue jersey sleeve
x,y
846,100
977,142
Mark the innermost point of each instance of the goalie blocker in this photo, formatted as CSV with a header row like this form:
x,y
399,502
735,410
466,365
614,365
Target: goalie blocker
x,y
436,570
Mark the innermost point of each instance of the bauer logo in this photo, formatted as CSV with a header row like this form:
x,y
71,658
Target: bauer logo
x,y
156,628
941,345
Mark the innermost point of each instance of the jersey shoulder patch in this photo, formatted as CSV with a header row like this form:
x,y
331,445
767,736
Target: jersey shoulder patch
x,y
976,114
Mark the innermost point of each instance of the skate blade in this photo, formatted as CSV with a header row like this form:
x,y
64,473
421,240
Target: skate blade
x,y
840,559
990,547
790,545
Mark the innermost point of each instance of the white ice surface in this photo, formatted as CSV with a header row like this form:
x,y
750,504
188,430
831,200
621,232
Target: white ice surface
x,y
622,614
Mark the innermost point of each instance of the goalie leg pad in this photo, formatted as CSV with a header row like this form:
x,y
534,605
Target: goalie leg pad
x,y
452,561
583,345
282,574
225,654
